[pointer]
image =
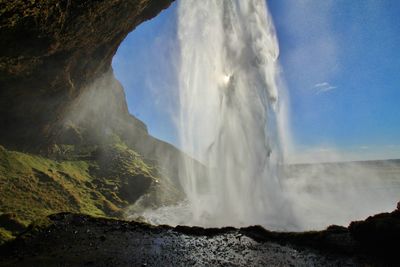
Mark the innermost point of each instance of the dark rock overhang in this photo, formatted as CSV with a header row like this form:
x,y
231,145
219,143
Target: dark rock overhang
x,y
49,52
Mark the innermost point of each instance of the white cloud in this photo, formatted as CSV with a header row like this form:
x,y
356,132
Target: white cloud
x,y
315,55
322,84
323,87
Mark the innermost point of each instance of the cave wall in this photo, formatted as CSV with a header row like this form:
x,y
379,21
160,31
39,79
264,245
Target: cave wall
x,y
50,52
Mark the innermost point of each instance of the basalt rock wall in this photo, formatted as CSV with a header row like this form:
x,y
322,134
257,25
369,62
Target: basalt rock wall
x,y
50,52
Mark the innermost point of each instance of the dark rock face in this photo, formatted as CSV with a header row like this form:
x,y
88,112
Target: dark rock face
x,y
78,240
379,233
60,105
10,222
49,52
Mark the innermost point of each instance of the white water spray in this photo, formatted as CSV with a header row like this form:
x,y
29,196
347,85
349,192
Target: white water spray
x,y
229,99
232,118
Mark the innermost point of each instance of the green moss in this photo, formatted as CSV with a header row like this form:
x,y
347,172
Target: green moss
x,y
37,225
5,235
11,223
32,186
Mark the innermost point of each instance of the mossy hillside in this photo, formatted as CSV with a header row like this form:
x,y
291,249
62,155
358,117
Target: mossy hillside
x,y
33,186
99,180
10,226
5,235
140,182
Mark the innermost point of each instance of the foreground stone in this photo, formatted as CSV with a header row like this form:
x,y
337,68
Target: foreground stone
x,y
78,240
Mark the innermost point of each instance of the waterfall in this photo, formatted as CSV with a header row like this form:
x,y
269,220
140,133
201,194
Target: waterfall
x,y
232,121
228,119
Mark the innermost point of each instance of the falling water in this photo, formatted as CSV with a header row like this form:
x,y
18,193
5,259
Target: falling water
x,y
233,120
229,100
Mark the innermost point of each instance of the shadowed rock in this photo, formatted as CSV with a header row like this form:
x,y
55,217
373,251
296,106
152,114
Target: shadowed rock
x,y
60,105
49,52
80,240
379,233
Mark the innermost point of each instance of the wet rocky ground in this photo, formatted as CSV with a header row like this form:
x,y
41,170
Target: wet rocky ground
x,y
79,240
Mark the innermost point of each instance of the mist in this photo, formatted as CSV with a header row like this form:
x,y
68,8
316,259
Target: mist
x,y
323,194
233,115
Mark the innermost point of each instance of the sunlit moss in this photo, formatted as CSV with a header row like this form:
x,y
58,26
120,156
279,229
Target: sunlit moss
x,y
5,235
33,186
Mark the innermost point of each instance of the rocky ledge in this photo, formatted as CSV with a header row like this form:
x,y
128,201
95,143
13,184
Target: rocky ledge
x,y
81,240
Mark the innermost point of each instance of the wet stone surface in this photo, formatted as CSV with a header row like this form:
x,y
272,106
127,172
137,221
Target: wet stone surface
x,y
76,240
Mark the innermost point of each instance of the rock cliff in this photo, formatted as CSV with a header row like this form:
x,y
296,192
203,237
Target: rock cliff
x,y
67,140
50,51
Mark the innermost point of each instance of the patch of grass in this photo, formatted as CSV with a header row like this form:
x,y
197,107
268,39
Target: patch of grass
x,y
5,235
32,186
104,184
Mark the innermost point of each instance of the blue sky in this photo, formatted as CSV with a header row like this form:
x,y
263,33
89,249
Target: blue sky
x,y
340,61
